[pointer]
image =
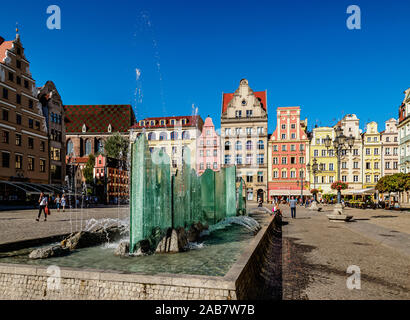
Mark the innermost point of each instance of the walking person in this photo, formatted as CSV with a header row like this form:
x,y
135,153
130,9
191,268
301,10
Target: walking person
x,y
63,202
43,201
292,204
58,202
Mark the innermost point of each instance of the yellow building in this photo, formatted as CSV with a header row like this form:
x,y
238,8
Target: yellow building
x,y
326,160
371,156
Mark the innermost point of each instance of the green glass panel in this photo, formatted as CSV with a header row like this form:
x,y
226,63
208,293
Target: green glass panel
x,y
207,181
220,195
230,185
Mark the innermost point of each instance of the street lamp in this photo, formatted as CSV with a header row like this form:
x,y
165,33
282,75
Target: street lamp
x,y
314,169
341,144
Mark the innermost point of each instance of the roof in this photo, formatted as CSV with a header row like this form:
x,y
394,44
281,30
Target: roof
x,y
97,118
6,45
227,97
192,121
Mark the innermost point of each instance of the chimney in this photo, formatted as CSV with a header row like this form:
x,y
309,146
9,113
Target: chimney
x,y
1,40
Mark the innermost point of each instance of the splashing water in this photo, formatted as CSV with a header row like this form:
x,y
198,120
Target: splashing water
x,y
94,224
247,222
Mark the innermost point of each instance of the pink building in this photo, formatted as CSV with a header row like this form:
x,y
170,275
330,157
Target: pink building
x,y
208,148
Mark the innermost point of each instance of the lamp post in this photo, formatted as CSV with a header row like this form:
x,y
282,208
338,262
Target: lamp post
x,y
314,169
341,144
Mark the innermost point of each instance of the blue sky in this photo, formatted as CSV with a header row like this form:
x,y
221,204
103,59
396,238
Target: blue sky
x,y
189,52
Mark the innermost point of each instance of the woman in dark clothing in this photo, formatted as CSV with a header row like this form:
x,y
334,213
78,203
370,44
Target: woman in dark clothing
x,y
43,201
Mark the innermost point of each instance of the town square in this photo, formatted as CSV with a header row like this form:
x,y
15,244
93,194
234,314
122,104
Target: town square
x,y
145,157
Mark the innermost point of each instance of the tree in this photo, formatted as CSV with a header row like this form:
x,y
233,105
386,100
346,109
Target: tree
x,y
116,146
88,171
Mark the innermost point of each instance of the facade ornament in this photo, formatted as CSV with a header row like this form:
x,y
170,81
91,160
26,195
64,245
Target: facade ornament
x,y
84,129
109,128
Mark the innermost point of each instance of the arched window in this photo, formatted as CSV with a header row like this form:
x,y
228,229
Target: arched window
x,y
163,135
151,136
227,145
87,147
249,145
70,147
238,145
185,135
261,146
100,146
174,135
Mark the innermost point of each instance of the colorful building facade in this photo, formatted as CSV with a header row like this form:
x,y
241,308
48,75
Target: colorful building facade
x,y
244,135
288,155
404,133
390,148
208,153
172,135
371,156
326,159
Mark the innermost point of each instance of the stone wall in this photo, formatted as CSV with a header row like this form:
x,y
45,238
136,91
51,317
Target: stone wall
x,y
19,282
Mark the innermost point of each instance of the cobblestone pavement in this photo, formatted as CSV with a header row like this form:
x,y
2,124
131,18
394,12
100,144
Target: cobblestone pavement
x,y
17,225
316,254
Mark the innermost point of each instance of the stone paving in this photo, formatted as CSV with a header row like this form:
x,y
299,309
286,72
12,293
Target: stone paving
x,y
317,252
17,225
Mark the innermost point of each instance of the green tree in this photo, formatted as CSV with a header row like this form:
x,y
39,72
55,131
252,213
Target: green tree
x,y
116,146
398,182
88,171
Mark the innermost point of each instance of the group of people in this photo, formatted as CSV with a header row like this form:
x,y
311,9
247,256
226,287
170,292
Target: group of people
x,y
45,202
292,204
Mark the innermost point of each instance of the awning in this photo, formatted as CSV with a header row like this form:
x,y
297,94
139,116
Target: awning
x,y
285,192
369,191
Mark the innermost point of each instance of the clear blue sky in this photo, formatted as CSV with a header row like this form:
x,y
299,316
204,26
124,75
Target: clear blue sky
x,y
189,52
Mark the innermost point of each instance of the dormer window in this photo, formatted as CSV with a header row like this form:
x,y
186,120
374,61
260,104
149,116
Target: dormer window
x,y
183,121
152,123
142,123
84,128
162,122
172,121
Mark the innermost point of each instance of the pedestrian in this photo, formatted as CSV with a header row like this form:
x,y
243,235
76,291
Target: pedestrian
x,y
292,205
58,202
63,202
43,201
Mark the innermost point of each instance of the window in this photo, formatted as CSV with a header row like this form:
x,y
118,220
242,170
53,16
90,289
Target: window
x,y
248,158
315,153
260,177
151,136
185,135
30,143
283,136
227,131
275,174
367,151
249,177
248,131
5,137
323,153
18,139
293,126
376,151
174,135
387,165
355,178
238,145
344,165
356,165
30,123
30,105
38,125
18,64
5,159
163,135
293,136
18,118
201,153
248,145
238,114
368,178
395,165
375,139
248,113
293,174
87,147
260,130
275,160
11,76
238,159
5,93
215,152
376,165
283,126
227,159
5,115
284,160
214,142
30,164
284,174
18,80
18,98
395,151
292,160
355,152
208,165
292,147
260,158
227,145
215,165
261,146
301,147
330,153
331,179
387,151
344,178
42,165
301,160
208,153
330,166
19,161
368,165
275,147
376,178
174,150
283,147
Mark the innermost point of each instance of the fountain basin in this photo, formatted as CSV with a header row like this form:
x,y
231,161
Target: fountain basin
x,y
80,281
